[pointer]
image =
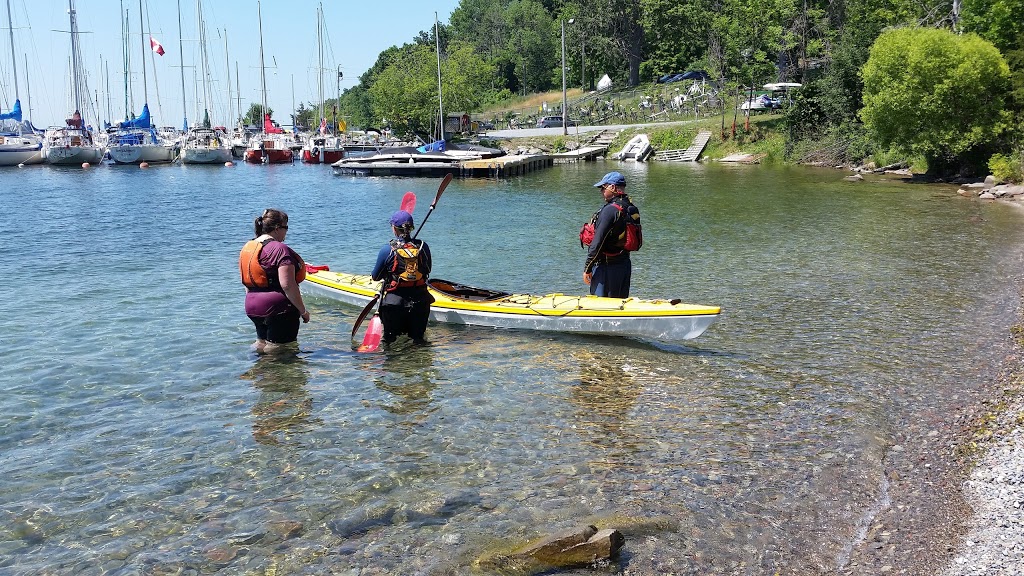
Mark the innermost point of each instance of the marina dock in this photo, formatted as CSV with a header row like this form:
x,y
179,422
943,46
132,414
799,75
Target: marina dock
x,y
435,165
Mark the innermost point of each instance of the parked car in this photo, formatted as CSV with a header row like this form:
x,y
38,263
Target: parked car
x,y
553,122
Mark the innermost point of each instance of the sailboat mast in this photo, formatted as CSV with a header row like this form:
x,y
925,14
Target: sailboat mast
x,y
181,61
14,58
440,102
263,75
74,55
205,61
28,90
142,38
106,74
320,46
238,92
227,70
124,57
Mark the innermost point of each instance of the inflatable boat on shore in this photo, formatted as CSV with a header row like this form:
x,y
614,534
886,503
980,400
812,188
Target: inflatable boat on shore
x,y
460,304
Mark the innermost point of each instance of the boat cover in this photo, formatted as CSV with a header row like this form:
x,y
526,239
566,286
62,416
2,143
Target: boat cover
x,y
143,120
14,114
268,126
435,146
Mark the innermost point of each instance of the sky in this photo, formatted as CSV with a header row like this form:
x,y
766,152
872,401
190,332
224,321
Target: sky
x,y
357,32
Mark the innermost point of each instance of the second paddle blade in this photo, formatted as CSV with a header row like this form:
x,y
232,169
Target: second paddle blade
x,y
374,332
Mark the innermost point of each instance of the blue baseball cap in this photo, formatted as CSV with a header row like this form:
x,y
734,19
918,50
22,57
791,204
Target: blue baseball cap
x,y
401,219
612,178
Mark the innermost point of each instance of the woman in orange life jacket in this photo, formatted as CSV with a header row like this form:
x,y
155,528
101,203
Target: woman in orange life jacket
x,y
404,265
271,272
608,268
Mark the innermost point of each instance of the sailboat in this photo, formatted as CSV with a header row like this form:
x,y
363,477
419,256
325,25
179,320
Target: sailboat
x,y
72,143
202,144
137,140
269,146
19,142
322,147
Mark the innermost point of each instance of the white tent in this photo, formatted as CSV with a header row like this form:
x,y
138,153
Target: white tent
x,y
604,82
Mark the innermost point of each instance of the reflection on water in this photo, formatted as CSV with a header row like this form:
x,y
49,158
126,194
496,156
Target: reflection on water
x,y
408,376
284,409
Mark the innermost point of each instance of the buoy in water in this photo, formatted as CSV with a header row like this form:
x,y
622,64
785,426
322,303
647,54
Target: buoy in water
x,y
229,163
85,164
144,165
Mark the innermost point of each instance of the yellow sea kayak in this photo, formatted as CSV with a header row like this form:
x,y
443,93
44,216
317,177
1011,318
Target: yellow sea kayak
x,y
460,304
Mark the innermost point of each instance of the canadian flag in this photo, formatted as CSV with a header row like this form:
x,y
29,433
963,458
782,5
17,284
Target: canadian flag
x,y
156,46
323,125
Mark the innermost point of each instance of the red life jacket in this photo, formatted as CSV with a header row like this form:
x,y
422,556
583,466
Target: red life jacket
x,y
626,233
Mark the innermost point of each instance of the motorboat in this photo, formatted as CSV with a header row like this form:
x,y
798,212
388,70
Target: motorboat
x,y
663,320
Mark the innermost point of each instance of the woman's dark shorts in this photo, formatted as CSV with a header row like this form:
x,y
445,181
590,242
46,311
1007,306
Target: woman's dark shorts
x,y
279,329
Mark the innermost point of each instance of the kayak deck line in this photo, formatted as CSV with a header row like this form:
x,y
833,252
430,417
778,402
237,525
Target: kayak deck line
x,y
460,304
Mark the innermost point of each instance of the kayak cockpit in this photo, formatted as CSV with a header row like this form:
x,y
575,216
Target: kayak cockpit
x,y
463,292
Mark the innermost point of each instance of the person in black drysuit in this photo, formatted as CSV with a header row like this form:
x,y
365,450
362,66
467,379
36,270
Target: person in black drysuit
x,y
404,265
608,268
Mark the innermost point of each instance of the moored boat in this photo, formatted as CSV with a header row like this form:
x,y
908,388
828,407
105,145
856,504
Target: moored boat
x,y
321,149
205,146
72,143
638,148
269,146
459,304
19,141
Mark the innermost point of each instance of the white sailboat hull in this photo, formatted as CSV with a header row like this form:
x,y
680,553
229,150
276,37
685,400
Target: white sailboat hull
x,y
73,155
151,153
13,154
200,155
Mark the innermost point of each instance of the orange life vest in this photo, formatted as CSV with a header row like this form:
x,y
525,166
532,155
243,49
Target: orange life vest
x,y
254,276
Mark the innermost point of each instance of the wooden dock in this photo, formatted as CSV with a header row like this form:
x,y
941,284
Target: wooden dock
x,y
497,167
584,154
690,154
505,166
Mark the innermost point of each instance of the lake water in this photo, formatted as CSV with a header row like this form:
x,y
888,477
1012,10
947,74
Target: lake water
x,y
141,435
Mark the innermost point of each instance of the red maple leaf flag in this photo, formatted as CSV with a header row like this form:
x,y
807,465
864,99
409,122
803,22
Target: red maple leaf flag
x,y
156,46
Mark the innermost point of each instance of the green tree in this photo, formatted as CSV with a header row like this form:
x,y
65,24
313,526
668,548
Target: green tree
x,y
306,117
255,115
675,33
934,93
1001,22
531,48
405,93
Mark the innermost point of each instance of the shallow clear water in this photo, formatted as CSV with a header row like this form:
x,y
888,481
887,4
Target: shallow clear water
x,y
141,435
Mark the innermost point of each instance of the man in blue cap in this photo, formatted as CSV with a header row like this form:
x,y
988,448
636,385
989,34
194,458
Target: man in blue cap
x,y
404,265
608,268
